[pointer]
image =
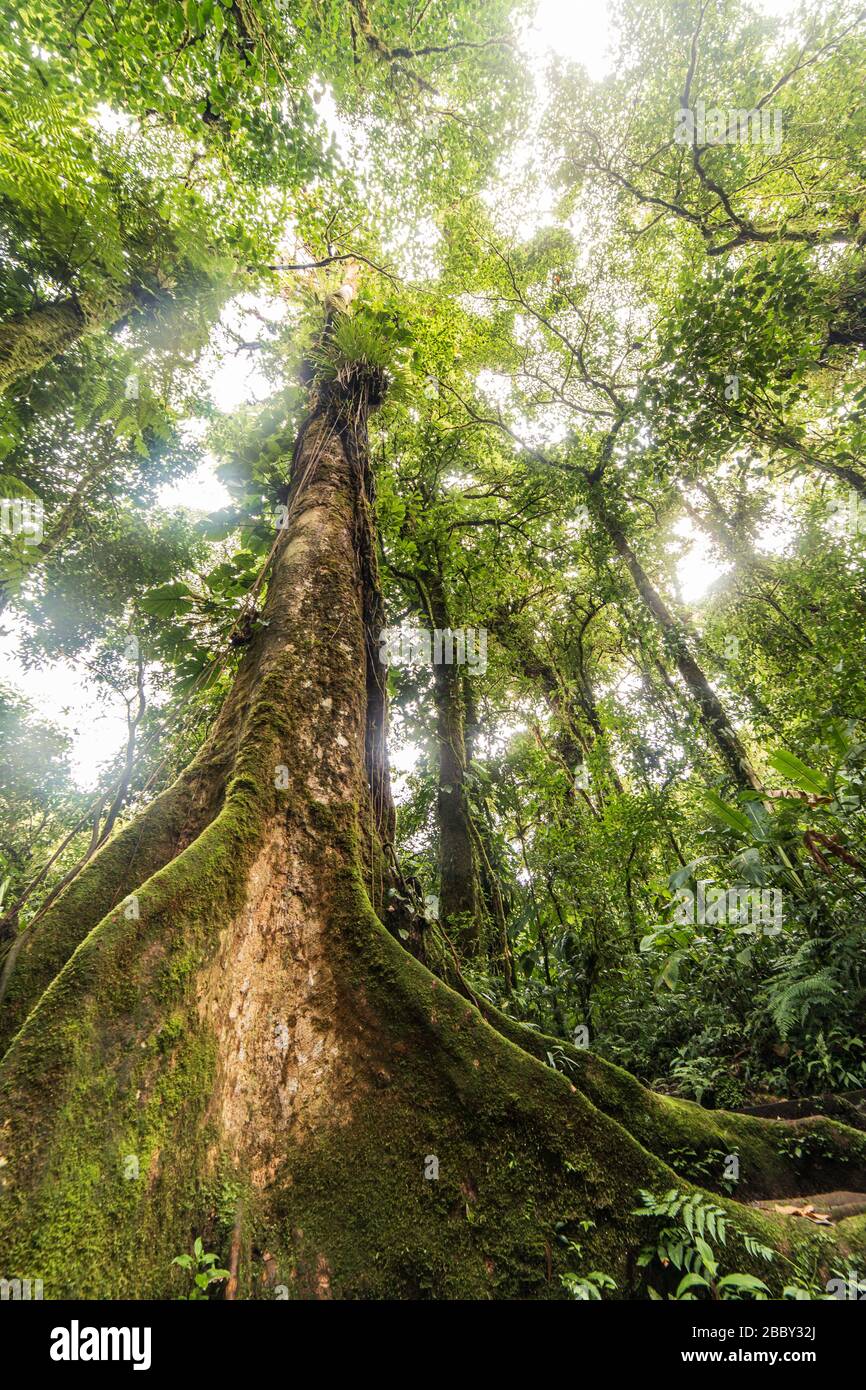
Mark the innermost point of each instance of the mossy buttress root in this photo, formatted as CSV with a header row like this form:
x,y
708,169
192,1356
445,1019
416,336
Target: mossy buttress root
x,y
126,861
776,1158
348,1206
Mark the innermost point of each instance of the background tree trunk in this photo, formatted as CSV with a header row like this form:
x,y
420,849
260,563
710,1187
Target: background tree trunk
x,y
710,708
29,340
459,889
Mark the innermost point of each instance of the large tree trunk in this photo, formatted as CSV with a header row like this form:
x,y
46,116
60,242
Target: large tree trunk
x,y
252,1057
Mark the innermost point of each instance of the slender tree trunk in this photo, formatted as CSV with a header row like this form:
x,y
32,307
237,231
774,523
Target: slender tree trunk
x,y
573,744
841,472
712,712
471,722
495,902
471,906
250,1056
460,898
459,895
741,551
37,555
457,868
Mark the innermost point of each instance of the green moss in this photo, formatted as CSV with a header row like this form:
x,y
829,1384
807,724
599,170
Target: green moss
x,y
124,862
769,1164
523,1158
113,1072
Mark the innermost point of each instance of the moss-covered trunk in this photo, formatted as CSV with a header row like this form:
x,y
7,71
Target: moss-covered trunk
x,y
250,1055
29,340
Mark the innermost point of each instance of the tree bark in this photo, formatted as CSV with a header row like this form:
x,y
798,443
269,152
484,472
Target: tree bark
x,y
471,905
254,1058
459,893
30,340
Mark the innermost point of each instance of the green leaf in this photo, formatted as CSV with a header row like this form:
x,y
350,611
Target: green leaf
x,y
12,487
796,771
732,817
683,874
168,601
691,1281
746,1282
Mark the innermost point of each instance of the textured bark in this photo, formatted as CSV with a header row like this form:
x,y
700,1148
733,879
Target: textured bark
x,y
156,837
29,340
471,905
254,1058
161,832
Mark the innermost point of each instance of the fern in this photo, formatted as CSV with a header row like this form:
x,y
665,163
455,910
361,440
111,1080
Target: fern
x,y
689,1246
794,995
